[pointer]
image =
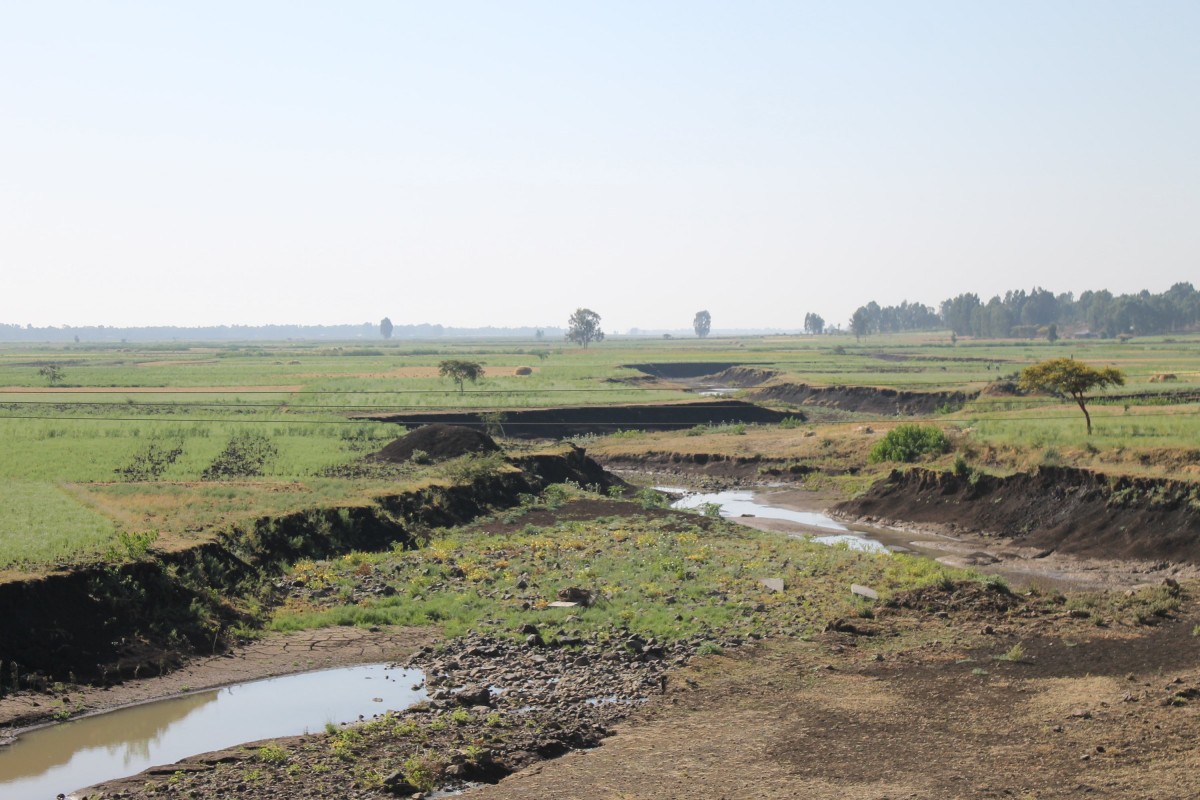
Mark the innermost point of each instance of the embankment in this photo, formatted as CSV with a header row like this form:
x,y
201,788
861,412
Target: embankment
x,y
557,423
107,622
862,399
1056,508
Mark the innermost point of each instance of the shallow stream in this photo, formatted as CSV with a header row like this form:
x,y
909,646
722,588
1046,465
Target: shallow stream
x,y
750,506
68,756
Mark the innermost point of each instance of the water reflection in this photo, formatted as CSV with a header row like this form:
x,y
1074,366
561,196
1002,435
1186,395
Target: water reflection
x,y
737,503
740,503
65,757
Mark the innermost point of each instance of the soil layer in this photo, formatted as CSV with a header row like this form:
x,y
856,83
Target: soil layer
x,y
862,399
566,421
1055,508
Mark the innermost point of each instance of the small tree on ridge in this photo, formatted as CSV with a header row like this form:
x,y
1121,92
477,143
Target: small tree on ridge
x,y
1066,377
584,327
460,371
702,323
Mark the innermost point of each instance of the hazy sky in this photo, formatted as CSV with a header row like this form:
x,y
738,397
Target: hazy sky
x,y
506,162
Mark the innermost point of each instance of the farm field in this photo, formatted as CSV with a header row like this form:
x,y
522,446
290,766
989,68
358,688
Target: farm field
x,y
218,497
77,469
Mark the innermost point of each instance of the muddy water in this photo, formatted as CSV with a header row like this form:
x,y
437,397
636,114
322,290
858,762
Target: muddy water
x,y
66,757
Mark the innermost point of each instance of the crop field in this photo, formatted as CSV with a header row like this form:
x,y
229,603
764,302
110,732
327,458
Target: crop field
x,y
123,440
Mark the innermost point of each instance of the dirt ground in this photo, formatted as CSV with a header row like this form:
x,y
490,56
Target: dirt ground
x,y
273,655
1083,712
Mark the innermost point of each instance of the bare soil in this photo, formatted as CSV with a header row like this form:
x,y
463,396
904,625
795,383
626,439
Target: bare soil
x,y
1085,711
437,442
864,399
1056,509
566,421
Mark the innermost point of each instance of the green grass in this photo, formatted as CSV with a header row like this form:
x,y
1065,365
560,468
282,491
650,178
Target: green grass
x,y
62,447
42,523
665,578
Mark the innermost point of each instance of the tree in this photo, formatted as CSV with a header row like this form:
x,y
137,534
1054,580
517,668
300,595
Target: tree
x,y
1066,377
1052,333
702,323
814,324
385,328
584,327
460,371
53,374
859,323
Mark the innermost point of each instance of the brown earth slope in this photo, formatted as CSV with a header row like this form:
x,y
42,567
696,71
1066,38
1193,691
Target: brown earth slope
x,y
862,399
1058,508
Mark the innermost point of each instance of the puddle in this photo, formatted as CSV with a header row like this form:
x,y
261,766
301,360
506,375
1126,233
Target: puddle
x,y
69,756
742,502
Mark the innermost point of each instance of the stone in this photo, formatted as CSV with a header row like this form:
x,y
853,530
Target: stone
x,y
397,784
574,594
774,584
864,591
474,695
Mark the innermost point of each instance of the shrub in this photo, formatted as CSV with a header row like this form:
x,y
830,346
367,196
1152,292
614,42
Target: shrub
x,y
907,443
246,456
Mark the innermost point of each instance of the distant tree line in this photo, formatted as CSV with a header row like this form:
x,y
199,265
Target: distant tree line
x,y
226,333
1022,314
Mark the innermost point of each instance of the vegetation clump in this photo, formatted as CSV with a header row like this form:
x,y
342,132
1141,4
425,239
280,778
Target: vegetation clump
x,y
246,456
908,443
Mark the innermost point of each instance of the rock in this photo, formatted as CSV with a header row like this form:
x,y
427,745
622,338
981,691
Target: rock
x,y
528,628
864,591
574,594
534,640
397,784
474,695
774,584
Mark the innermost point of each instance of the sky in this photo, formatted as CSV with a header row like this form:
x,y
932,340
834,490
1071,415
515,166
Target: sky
x,y
504,163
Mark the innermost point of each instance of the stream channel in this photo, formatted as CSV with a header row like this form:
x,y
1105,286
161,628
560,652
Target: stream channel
x,y
782,511
65,757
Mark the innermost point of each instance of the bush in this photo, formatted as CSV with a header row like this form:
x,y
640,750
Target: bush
x,y
907,443
246,456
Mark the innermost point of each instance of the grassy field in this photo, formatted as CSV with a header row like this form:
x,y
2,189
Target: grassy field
x,y
90,457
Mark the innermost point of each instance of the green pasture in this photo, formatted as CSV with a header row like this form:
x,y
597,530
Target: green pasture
x,y
60,491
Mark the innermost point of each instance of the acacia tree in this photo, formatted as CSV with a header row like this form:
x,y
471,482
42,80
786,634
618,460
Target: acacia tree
x,y
1066,377
460,371
702,323
584,327
385,328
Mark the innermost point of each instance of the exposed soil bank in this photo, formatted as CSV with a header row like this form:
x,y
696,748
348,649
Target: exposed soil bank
x,y
729,468
110,622
1056,508
688,369
558,423
864,399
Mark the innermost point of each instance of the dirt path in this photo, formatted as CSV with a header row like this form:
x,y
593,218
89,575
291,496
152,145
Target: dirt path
x,y
1074,717
273,655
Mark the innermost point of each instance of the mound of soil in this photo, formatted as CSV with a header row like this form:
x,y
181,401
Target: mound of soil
x,y
865,399
1058,508
1001,389
438,442
685,369
743,377
961,597
566,421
